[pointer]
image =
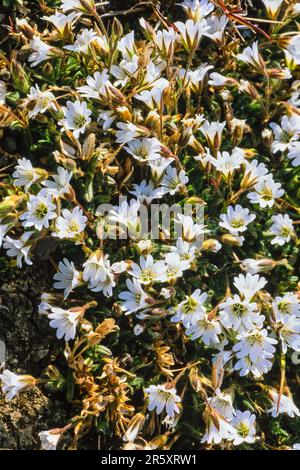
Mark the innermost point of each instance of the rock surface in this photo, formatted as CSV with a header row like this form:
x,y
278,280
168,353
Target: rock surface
x,y
30,346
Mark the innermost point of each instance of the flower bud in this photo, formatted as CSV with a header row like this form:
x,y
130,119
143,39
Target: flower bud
x,y
20,77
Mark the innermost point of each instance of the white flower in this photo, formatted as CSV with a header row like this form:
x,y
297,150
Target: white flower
x,y
190,230
165,40
41,52
60,184
292,55
197,9
191,32
285,405
24,174
190,310
62,23
86,6
2,92
76,117
145,192
216,79
106,118
67,278
172,181
240,314
154,98
195,77
96,269
254,266
294,154
126,46
83,41
296,447
251,56
18,248
12,383
105,286
285,134
266,191
149,270
127,216
217,27
285,306
282,228
70,224
135,298
49,439
236,220
160,397
144,150
222,403
175,265
3,229
226,163
185,250
255,344
272,7
42,101
262,366
134,427
40,211
127,69
207,330
249,285
213,133
254,172
138,329
217,429
289,333
158,167
97,86
64,321
244,423
129,132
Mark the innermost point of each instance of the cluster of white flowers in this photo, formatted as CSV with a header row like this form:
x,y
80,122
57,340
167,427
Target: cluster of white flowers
x,y
127,101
